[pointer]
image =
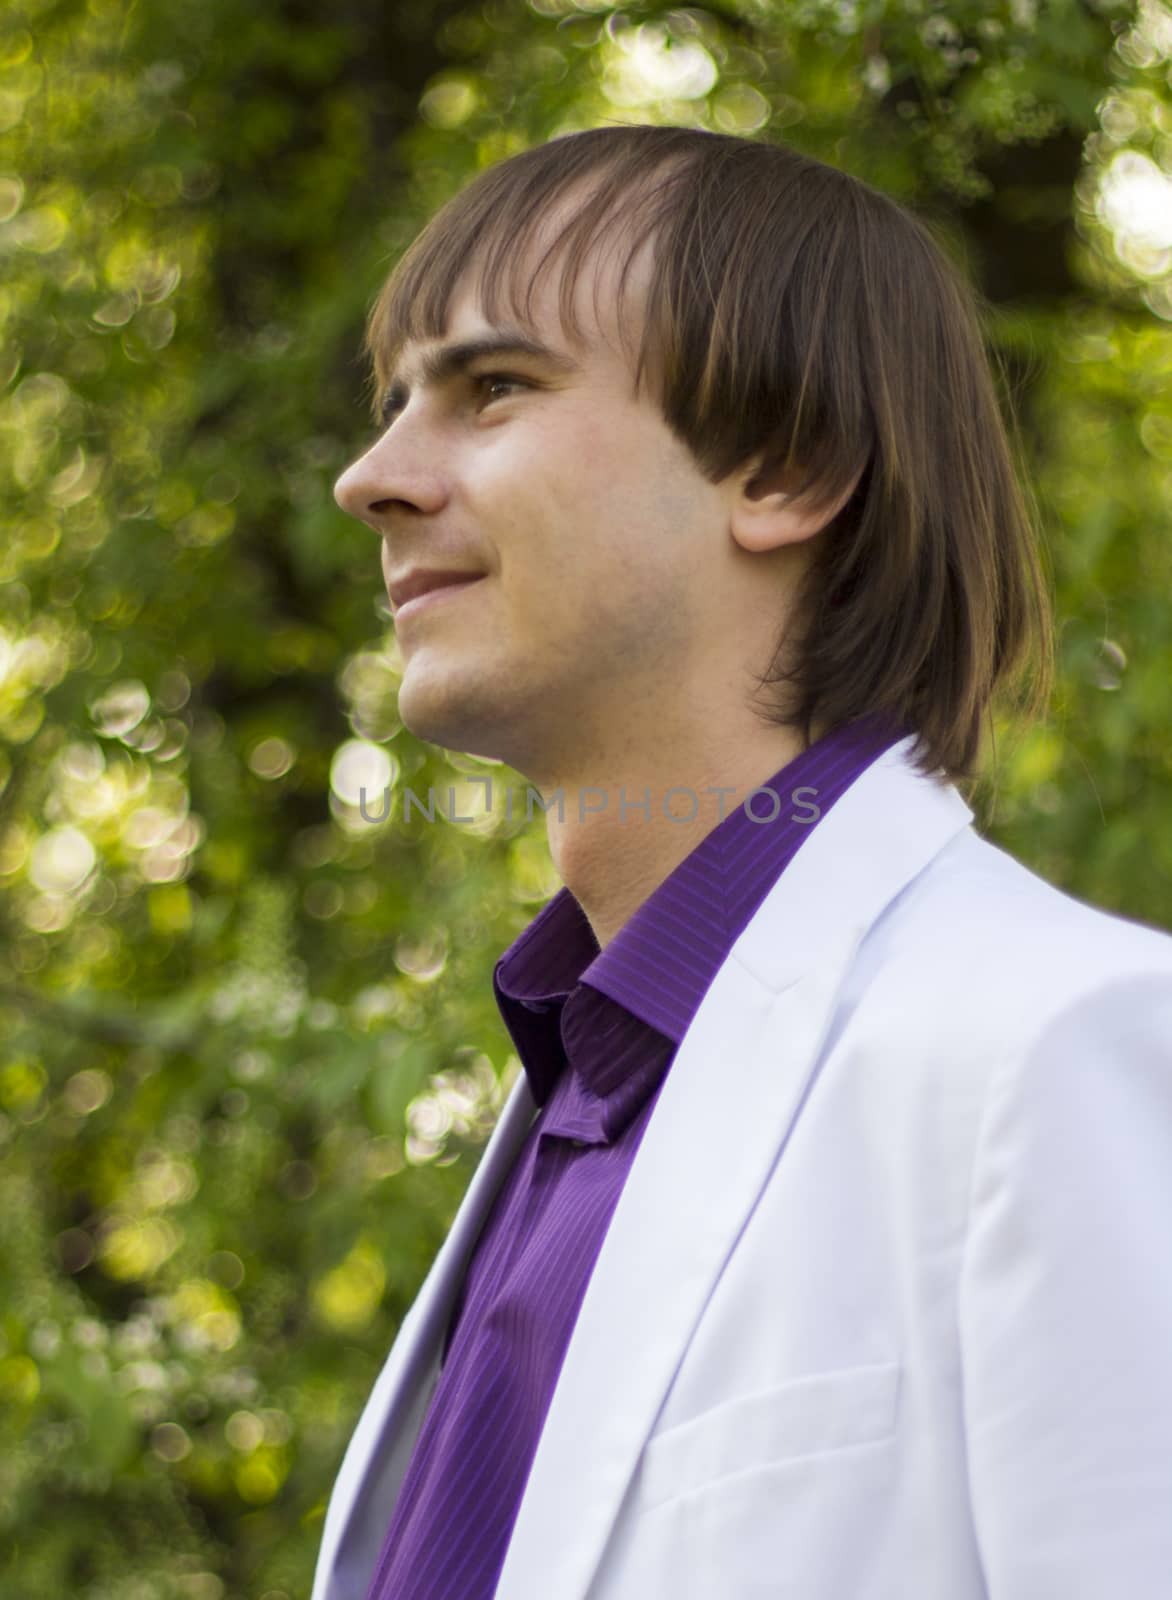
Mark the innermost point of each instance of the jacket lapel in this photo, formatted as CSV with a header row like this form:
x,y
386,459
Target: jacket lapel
x,y
380,1447
724,1114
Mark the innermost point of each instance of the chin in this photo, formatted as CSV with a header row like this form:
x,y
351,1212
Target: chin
x,y
446,718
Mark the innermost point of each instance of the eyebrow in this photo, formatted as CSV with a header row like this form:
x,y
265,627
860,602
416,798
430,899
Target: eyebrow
x,y
449,360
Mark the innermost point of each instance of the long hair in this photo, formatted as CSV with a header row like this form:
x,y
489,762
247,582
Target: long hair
x,y
796,315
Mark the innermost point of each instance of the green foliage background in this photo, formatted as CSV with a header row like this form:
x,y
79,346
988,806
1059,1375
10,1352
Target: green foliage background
x,y
248,1047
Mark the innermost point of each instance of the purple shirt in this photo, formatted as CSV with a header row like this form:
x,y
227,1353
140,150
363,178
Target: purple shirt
x,y
596,1032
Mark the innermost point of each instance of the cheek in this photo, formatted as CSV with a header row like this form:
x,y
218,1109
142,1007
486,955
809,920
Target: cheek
x,y
597,519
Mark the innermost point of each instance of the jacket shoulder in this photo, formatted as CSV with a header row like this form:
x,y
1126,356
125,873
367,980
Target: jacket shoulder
x,y
980,951
983,903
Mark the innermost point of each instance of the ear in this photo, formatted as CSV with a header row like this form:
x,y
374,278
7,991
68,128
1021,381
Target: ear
x,y
765,514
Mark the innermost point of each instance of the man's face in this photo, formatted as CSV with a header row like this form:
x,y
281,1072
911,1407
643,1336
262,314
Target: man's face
x,y
601,545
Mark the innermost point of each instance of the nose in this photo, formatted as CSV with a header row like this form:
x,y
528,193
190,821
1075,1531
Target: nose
x,y
364,490
386,477
351,490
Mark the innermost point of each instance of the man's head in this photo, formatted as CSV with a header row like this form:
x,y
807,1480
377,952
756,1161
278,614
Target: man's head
x,y
765,452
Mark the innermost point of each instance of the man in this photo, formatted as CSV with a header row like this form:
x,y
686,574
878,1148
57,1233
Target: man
x,y
823,1248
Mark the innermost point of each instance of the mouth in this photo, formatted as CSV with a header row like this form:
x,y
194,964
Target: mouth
x,y
431,598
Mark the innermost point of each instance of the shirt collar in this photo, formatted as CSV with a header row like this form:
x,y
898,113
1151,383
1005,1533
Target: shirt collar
x,y
661,963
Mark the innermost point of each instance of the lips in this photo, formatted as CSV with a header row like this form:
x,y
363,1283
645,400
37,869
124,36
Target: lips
x,y
424,580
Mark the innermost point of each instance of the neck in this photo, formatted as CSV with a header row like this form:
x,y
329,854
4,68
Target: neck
x,y
616,834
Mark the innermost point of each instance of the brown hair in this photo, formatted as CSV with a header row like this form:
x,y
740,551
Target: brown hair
x,y
796,315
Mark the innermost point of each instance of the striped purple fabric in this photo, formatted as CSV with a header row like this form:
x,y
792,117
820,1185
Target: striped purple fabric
x,y
596,1032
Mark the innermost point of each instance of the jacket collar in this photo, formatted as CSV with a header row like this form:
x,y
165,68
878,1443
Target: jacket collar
x,y
723,1115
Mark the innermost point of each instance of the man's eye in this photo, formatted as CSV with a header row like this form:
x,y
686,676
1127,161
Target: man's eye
x,y
489,380
481,381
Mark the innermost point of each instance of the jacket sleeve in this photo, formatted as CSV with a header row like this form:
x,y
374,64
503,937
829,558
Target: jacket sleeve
x,y
1065,1306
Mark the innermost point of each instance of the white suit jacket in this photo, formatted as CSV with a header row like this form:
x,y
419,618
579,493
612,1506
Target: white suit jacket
x,y
885,1308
